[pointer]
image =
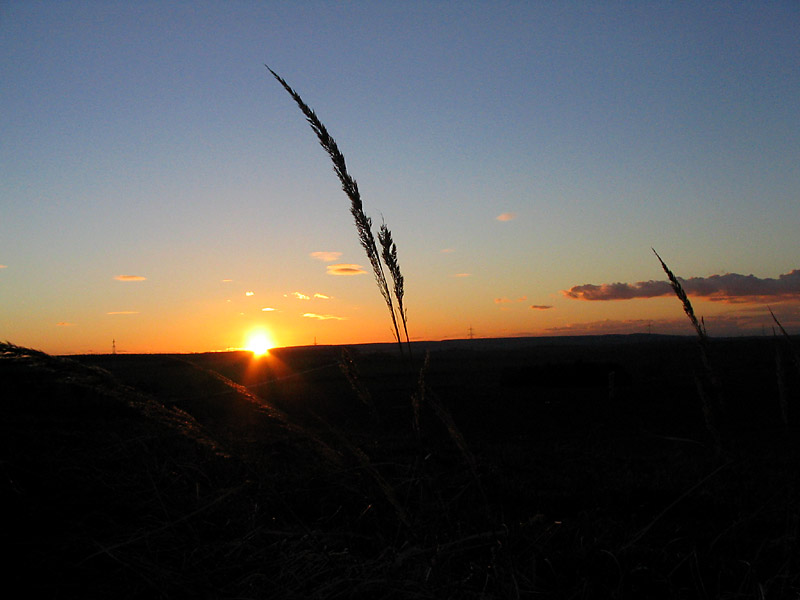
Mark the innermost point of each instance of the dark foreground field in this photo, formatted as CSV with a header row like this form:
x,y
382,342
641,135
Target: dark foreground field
x,y
572,468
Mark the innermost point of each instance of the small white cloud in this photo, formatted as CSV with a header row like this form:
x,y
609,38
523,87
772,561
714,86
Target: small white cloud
x,y
324,317
298,295
509,216
249,293
267,309
322,297
462,274
130,278
227,280
326,256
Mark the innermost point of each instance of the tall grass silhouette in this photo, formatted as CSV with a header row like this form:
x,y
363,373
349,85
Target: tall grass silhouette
x,y
713,404
362,221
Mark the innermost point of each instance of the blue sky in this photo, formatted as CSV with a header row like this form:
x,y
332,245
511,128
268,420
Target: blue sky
x,y
148,139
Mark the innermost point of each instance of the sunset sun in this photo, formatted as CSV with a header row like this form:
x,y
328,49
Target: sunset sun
x,y
258,343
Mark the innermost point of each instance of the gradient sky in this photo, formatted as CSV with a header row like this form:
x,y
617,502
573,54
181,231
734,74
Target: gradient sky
x,y
159,188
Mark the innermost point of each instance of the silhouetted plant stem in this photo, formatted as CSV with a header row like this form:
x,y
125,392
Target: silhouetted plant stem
x,y
389,254
350,187
792,348
780,375
711,407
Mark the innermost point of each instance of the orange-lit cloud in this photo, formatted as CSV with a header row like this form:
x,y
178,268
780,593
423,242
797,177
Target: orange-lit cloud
x,y
509,301
130,278
731,288
324,317
227,280
541,306
345,269
64,324
321,297
462,274
3,266
509,216
267,309
626,326
326,256
249,293
747,321
298,295
123,312
447,250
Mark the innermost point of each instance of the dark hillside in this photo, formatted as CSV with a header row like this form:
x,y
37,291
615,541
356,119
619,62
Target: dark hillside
x,y
502,469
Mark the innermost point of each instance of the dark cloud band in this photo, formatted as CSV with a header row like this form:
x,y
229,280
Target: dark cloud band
x,y
731,288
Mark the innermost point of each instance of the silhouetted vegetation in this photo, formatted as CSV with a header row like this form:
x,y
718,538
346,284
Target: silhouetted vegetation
x,y
217,475
363,223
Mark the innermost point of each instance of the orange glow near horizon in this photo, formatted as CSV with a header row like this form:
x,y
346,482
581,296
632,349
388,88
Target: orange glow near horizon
x,y
259,343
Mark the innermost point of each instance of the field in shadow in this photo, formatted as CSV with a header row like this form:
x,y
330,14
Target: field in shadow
x,y
529,468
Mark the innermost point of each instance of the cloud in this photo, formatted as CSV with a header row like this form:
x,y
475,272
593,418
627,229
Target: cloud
x,y
462,274
731,288
3,266
614,326
619,291
130,278
541,306
509,216
447,250
345,269
227,280
324,317
123,312
64,324
249,293
747,322
302,296
508,300
326,256
267,309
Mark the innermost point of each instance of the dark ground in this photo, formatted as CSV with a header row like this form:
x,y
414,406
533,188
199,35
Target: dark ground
x,y
540,468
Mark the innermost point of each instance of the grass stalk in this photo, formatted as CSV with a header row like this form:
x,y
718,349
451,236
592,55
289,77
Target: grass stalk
x,y
699,327
351,372
418,397
389,255
712,407
780,376
792,348
362,221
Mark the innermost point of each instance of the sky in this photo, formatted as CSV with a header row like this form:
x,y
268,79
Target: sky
x,y
160,190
